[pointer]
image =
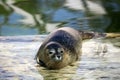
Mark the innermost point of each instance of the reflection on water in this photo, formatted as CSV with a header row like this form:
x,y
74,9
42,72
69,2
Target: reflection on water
x,y
24,17
66,73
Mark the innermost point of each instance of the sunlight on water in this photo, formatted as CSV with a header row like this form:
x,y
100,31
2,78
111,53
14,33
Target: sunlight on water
x,y
99,61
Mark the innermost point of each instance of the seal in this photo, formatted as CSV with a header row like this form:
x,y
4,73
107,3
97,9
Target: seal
x,y
62,47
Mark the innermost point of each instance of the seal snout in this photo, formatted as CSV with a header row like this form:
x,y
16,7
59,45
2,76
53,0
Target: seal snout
x,y
58,58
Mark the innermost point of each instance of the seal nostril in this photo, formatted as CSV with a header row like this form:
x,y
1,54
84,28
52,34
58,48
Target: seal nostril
x,y
58,56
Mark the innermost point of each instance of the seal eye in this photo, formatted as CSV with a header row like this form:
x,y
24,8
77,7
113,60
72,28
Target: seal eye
x,y
61,51
52,51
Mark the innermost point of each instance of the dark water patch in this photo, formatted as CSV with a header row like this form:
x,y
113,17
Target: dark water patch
x,y
104,78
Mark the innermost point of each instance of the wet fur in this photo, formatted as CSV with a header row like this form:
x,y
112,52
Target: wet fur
x,y
69,39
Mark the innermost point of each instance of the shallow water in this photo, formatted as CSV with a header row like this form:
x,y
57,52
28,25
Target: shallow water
x,y
99,60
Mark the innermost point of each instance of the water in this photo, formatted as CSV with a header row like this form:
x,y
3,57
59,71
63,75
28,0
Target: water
x,y
17,60
28,17
100,57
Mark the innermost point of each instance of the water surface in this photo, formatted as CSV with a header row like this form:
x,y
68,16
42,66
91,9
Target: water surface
x,y
99,60
28,17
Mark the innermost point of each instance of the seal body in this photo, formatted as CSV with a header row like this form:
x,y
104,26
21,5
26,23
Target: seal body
x,y
62,47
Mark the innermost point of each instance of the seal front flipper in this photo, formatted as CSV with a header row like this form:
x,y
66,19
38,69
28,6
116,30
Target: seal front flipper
x,y
41,63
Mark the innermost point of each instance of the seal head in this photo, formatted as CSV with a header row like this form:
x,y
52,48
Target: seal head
x,y
54,51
